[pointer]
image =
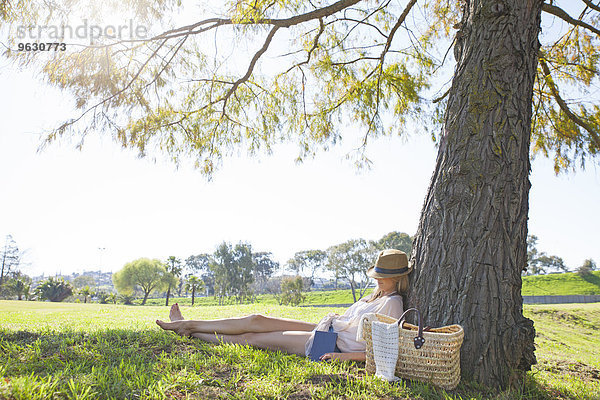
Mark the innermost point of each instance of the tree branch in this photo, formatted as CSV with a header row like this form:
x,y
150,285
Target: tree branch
x,y
73,121
362,22
253,62
440,98
312,49
214,23
562,14
395,28
388,44
164,67
281,23
592,5
340,63
564,106
315,14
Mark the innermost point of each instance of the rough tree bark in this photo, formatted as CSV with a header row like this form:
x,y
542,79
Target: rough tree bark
x,y
471,247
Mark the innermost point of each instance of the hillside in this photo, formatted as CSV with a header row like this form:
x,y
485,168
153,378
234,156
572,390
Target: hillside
x,y
561,284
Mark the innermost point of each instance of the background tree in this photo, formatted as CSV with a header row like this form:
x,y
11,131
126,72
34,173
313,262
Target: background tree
x,y
112,298
291,291
149,275
264,268
532,256
86,292
19,285
245,269
194,283
82,281
395,240
591,264
233,271
586,268
540,262
222,267
174,268
552,262
11,258
351,260
104,297
308,262
348,60
55,290
199,265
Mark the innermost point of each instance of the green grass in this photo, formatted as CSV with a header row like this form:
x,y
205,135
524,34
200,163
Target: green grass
x,y
568,348
81,351
561,284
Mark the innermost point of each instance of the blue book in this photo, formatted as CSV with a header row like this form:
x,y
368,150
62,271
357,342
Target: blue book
x,y
324,342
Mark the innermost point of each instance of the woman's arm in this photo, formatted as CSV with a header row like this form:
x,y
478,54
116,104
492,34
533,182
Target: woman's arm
x,y
359,356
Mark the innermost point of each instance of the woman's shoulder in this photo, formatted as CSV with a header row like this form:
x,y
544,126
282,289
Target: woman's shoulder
x,y
392,306
393,298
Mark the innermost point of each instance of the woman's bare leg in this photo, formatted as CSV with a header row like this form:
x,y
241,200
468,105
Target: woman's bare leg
x,y
292,342
233,326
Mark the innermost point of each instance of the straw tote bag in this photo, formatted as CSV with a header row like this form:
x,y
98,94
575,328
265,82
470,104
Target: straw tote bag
x,y
431,356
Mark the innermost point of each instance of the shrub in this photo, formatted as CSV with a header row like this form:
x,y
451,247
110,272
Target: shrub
x,y
55,290
584,270
127,299
587,267
105,297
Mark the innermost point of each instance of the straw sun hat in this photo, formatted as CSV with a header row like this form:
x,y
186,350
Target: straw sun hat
x,y
390,263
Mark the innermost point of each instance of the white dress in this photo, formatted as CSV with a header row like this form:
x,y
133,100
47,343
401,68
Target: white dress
x,y
346,325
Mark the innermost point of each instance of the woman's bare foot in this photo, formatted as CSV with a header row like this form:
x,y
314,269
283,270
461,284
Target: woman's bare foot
x,y
175,313
176,326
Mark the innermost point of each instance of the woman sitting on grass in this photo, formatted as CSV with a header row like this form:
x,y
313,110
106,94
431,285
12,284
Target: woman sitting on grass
x,y
296,337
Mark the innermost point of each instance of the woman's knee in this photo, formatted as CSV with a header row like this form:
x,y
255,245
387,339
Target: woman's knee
x,y
255,321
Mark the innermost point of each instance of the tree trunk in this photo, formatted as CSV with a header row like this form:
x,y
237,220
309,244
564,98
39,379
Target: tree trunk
x,y
193,294
471,245
145,297
168,294
3,264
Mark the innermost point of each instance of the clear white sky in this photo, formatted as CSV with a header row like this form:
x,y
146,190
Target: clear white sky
x,y
62,205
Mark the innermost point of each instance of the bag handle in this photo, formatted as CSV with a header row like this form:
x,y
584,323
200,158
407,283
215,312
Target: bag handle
x,y
419,340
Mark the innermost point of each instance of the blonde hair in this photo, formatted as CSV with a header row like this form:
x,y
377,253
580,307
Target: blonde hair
x,y
401,288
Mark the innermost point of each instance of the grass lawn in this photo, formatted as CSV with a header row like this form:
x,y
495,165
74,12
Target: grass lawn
x,y
89,351
568,347
561,284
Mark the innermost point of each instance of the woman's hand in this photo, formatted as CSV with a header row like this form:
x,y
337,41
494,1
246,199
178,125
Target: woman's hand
x,y
360,356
